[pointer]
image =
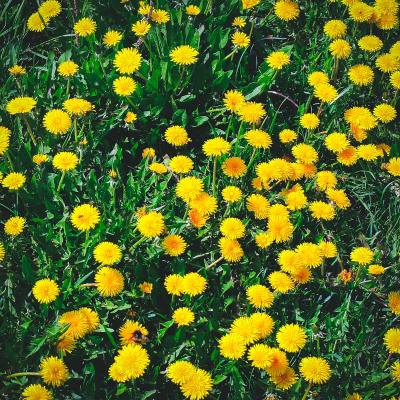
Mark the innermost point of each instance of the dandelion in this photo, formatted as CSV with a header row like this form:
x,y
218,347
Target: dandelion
x,y
184,55
53,371
315,370
45,291
36,392
85,217
124,86
109,281
286,10
174,245
277,60
183,316
13,181
112,38
259,296
84,27
291,338
14,226
176,136
127,60
107,253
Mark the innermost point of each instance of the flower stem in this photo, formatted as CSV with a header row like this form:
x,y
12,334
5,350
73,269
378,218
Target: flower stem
x,y
88,284
68,86
214,176
137,243
306,392
23,374
29,129
386,362
61,181
251,158
76,130
214,262
10,161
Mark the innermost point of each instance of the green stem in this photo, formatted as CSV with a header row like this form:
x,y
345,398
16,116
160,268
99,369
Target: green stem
x,y
137,243
23,374
29,129
214,176
10,161
76,130
130,101
394,101
306,392
61,181
386,362
68,87
335,68
181,72
251,158
214,262
231,54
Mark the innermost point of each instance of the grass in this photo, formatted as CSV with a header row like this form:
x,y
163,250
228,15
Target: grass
x,y
345,323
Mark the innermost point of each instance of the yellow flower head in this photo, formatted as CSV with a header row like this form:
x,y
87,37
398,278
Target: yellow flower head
x,y
233,99
232,346
50,8
124,86
189,188
184,55
392,340
198,386
286,10
258,139
141,28
67,69
259,296
277,60
183,316
192,10
128,333
78,107
240,39
133,360
230,249
180,371
112,38
37,22
45,291
85,217
127,60
291,338
151,224
36,392
174,284
181,164
53,371
176,136
65,161
335,28
110,281
57,122
107,253
193,284
84,27
13,181
20,105
17,70
174,245
362,255
251,112
14,226
231,194
315,370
